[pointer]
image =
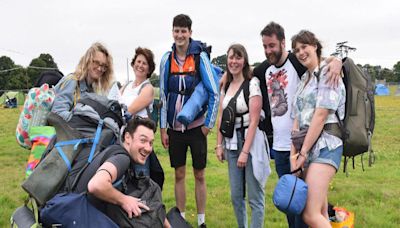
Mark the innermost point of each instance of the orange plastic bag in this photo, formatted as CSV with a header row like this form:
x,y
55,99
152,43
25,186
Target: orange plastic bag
x,y
344,218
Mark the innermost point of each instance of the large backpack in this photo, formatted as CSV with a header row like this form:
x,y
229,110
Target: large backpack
x,y
77,143
358,125
204,48
359,120
149,193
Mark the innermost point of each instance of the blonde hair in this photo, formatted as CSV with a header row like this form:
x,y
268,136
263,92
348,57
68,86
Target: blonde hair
x,y
103,85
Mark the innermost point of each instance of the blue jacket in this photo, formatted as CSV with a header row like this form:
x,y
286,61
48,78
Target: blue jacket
x,y
170,98
65,96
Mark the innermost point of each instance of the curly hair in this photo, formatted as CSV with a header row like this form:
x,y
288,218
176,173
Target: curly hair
x,y
148,55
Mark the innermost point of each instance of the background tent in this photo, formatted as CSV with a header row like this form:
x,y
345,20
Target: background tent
x,y
13,94
381,90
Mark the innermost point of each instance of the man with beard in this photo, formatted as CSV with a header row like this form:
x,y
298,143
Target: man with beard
x,y
279,76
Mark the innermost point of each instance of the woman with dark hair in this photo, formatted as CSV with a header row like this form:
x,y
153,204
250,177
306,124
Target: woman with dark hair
x,y
245,152
314,108
138,94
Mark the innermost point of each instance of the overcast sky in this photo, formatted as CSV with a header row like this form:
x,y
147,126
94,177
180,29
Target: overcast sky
x,y
65,29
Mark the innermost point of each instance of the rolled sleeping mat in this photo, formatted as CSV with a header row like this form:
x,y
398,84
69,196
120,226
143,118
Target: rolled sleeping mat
x,y
193,105
198,99
49,175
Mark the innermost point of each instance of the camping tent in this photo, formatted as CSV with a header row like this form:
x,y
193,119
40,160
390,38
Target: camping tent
x,y
13,94
381,90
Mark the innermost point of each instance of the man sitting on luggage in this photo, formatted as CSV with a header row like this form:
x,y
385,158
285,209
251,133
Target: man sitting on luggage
x,y
138,140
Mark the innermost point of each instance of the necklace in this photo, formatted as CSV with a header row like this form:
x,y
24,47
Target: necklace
x,y
136,83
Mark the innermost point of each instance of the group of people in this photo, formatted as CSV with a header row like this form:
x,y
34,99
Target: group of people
x,y
292,91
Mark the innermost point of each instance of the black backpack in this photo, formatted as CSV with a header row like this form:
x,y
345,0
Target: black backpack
x,y
227,126
149,193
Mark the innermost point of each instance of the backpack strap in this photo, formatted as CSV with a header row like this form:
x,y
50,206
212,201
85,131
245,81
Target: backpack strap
x,y
232,102
196,75
124,87
140,90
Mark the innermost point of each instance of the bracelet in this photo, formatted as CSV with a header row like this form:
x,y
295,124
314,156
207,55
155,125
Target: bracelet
x,y
245,152
300,154
218,146
105,171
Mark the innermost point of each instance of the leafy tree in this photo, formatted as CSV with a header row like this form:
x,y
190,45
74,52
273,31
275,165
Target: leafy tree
x,y
6,63
387,74
18,79
11,76
371,71
48,59
396,72
220,61
43,61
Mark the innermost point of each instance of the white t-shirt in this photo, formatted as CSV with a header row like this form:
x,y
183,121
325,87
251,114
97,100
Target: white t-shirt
x,y
282,83
131,93
241,107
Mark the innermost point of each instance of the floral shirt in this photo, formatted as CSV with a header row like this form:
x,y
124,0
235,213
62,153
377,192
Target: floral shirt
x,y
319,94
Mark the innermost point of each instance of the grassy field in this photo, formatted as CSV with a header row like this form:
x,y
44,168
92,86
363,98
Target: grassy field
x,y
373,194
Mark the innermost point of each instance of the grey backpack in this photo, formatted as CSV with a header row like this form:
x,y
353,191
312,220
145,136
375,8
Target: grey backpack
x,y
359,121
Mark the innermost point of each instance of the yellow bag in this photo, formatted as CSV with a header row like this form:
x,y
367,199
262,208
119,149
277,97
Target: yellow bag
x,y
347,217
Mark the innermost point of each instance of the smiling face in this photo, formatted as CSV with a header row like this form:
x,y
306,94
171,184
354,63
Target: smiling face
x,y
139,144
307,55
97,67
140,67
273,49
181,37
235,63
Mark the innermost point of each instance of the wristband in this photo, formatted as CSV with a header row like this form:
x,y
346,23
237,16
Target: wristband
x,y
218,146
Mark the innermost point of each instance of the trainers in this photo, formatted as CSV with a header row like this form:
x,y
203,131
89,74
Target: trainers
x,y
203,226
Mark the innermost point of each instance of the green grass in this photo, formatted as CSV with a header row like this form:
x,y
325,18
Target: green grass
x,y
373,194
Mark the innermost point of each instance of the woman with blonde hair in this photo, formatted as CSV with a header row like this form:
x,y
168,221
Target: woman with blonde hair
x,y
94,74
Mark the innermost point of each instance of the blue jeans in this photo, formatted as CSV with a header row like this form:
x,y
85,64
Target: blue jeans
x,y
282,167
238,177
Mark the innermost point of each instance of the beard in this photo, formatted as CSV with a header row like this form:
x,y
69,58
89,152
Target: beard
x,y
274,57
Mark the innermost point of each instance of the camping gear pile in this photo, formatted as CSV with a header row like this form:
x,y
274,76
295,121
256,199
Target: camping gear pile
x,y
11,99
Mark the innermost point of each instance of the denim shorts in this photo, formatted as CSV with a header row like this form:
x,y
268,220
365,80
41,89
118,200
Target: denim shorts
x,y
330,157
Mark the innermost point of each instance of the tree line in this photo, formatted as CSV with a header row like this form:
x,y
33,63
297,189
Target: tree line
x,y
16,77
